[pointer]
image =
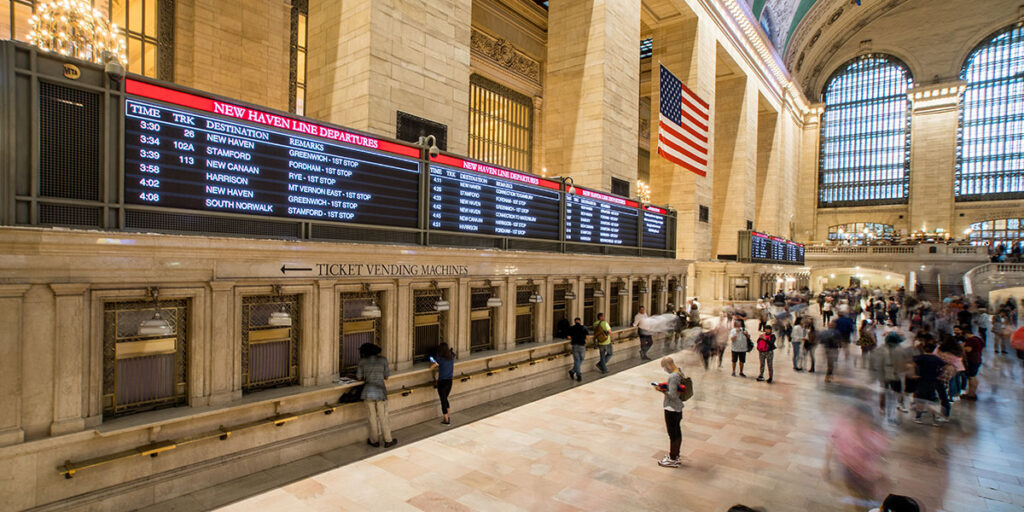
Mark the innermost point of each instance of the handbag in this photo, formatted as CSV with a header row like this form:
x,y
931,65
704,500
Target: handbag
x,y
750,344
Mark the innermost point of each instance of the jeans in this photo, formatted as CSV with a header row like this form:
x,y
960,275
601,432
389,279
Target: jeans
x,y
380,424
768,357
675,432
831,357
444,388
605,352
578,353
796,354
646,341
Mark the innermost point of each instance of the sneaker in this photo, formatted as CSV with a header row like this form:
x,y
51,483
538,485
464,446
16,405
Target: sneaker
x,y
375,444
760,379
769,381
917,419
579,377
392,443
667,462
733,374
570,374
743,375
902,408
939,420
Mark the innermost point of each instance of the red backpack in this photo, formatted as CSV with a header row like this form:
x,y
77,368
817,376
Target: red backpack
x,y
764,343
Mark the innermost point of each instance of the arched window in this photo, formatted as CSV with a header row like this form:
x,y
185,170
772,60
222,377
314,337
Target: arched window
x,y
865,134
990,153
857,232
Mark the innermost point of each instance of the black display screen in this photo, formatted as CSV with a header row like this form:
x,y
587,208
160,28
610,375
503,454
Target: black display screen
x,y
597,218
655,228
772,249
184,158
491,201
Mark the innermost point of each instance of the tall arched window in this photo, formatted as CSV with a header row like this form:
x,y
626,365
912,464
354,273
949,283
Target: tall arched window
x,y
865,134
990,153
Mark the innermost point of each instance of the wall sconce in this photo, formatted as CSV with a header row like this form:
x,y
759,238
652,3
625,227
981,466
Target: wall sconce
x,y
622,289
494,301
155,326
441,304
598,292
535,297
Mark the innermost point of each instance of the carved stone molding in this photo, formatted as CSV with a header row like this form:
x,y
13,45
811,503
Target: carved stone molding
x,y
504,54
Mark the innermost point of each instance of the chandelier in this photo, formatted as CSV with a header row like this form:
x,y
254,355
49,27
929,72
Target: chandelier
x,y
73,28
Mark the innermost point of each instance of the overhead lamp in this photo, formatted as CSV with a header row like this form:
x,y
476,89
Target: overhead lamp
x,y
623,291
598,292
535,297
280,318
371,310
643,289
494,301
679,287
442,305
570,295
155,326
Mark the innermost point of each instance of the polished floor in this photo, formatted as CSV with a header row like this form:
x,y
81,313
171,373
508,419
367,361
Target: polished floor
x,y
596,446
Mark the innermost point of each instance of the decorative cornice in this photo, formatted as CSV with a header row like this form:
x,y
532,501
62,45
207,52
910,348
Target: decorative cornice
x,y
505,55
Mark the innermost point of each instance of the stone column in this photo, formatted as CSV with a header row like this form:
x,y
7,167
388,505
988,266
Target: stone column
x,y
463,306
592,90
687,49
398,347
11,300
508,316
327,344
933,156
370,58
69,361
546,328
222,369
807,177
735,158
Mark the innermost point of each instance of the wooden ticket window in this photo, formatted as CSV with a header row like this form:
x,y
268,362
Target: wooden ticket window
x,y
525,310
614,316
429,324
481,320
589,304
270,349
144,372
559,308
356,328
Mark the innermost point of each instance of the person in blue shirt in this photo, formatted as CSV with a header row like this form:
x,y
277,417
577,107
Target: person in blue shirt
x,y
444,362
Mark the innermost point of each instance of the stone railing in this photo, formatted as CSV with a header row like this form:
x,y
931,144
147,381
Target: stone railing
x,y
991,268
916,249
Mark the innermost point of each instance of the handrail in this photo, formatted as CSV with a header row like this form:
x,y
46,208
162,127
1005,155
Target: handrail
x,y
70,468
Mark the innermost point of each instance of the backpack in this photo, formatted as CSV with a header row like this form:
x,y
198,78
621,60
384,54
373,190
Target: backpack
x,y
763,343
687,383
601,335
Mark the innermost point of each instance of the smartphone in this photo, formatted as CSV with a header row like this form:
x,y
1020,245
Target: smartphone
x,y
432,360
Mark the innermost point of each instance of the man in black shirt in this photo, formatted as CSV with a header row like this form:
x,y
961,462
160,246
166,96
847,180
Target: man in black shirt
x,y
578,342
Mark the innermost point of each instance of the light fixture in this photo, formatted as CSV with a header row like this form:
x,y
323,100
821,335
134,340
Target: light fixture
x,y
493,301
643,191
441,304
280,318
155,326
831,276
622,290
570,295
371,310
679,287
429,142
535,297
598,292
643,289
73,28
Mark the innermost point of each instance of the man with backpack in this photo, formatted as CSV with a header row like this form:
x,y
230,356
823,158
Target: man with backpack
x,y
766,352
673,405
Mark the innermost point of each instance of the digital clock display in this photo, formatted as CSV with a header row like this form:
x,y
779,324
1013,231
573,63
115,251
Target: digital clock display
x,y
181,157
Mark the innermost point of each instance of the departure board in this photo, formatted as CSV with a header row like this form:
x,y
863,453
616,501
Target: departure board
x,y
655,227
180,154
598,218
770,249
471,197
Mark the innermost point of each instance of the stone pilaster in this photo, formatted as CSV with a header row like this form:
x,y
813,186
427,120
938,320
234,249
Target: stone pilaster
x,y
370,58
735,159
462,326
934,119
592,91
687,49
69,361
327,345
11,307
224,386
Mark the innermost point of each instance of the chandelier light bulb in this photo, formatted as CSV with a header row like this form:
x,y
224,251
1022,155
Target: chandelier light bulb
x,y
73,27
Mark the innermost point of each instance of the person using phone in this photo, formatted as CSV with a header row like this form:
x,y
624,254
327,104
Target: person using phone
x,y
445,365
739,339
673,405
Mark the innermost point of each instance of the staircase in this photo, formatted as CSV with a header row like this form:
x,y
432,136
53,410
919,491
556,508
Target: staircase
x,y
992,276
930,292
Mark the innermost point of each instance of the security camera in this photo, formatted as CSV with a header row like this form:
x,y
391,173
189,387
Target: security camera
x,y
111,65
430,141
434,151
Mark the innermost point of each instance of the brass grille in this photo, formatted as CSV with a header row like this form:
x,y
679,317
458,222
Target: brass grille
x,y
356,329
270,354
143,372
589,316
634,301
656,304
429,325
481,320
559,308
614,317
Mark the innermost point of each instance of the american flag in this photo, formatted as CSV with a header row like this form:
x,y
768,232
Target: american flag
x,y
682,125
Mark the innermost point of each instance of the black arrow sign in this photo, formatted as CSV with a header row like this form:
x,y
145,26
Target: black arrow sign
x,y
285,269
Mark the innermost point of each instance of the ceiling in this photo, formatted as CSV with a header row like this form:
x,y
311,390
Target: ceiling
x,y
779,18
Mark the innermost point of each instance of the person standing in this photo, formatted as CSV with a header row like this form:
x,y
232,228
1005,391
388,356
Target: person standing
x,y
766,353
811,341
373,371
740,342
603,336
890,364
867,340
646,340
799,338
983,321
673,405
833,340
578,343
927,389
973,347
445,365
826,311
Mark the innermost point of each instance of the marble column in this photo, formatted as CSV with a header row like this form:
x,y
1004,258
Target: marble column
x,y
223,378
462,303
11,306
592,91
398,348
735,160
70,356
327,342
933,145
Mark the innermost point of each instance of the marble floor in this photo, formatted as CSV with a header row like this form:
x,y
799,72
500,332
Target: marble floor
x,y
596,446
